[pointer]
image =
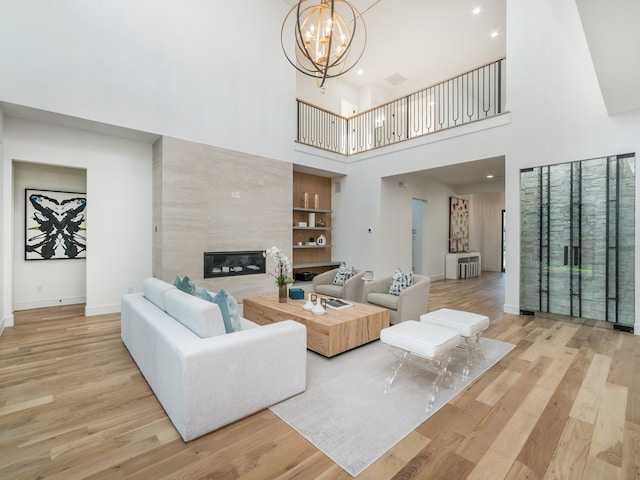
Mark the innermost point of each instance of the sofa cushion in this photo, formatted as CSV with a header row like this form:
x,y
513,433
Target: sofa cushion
x,y
186,285
400,281
343,274
228,308
385,300
154,290
201,317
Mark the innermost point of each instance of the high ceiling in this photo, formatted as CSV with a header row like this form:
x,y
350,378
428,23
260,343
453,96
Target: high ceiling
x,y
416,43
425,41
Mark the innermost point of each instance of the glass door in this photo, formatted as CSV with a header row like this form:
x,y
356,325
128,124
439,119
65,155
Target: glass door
x,y
577,239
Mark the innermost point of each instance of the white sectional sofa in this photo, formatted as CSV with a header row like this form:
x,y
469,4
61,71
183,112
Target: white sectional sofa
x,y
206,383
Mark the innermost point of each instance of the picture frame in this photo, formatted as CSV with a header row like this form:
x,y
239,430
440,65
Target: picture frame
x,y
55,225
458,225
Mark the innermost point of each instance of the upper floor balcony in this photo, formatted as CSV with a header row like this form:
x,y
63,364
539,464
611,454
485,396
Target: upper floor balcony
x,y
470,97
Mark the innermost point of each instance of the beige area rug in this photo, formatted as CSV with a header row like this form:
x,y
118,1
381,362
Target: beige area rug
x,y
346,414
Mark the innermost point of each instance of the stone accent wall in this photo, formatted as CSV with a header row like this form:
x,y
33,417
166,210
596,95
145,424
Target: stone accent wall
x,y
208,199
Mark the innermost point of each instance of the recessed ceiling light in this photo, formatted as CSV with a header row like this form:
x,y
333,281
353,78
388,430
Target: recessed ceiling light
x,y
494,34
476,10
489,176
360,71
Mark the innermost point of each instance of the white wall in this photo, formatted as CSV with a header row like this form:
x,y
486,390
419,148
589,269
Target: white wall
x,y
485,229
207,71
6,315
119,222
42,283
371,198
181,69
558,110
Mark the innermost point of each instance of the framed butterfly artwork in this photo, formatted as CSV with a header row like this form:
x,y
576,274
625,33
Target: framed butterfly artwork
x,y
55,225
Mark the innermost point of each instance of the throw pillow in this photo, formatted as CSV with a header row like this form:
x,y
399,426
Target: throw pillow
x,y
343,274
228,307
400,281
186,285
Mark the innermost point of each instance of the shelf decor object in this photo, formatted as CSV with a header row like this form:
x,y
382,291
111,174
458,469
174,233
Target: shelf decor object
x,y
329,38
309,254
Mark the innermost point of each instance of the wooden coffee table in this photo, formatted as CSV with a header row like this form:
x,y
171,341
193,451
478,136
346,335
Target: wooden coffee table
x,y
334,332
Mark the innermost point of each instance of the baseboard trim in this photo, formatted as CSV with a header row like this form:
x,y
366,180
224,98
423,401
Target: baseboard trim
x,y
513,309
50,302
102,310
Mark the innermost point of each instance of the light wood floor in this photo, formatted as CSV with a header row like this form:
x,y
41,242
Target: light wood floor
x,y
564,404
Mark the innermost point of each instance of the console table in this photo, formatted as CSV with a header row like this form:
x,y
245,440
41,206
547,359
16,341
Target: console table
x,y
462,265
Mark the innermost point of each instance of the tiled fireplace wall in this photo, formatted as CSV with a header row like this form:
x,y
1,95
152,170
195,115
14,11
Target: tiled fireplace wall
x,y
208,199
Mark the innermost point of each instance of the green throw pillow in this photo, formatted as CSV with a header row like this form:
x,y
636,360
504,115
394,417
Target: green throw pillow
x,y
186,285
228,308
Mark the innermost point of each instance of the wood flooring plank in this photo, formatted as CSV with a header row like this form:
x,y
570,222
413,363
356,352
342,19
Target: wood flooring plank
x,y
570,456
538,451
499,387
396,458
520,471
608,433
548,341
461,420
587,402
631,452
437,460
497,462
597,469
477,443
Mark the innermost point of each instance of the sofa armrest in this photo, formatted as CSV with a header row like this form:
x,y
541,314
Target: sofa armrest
x,y
353,288
324,278
376,286
413,300
225,378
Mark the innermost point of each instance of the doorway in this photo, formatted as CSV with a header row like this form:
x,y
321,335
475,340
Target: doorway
x,y
577,244
418,236
503,249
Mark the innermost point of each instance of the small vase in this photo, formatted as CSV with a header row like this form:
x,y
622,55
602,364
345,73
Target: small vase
x,y
282,293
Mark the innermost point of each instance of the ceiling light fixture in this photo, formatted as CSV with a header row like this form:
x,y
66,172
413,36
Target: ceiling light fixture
x,y
326,44
476,10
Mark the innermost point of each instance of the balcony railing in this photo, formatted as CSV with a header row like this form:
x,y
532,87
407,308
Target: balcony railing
x,y
472,96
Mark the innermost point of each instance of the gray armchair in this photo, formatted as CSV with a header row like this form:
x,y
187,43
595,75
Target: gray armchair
x,y
409,305
351,290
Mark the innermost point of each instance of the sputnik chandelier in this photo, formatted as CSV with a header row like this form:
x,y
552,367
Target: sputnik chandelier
x,y
326,44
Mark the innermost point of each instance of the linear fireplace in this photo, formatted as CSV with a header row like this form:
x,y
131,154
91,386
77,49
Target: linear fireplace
x,y
228,264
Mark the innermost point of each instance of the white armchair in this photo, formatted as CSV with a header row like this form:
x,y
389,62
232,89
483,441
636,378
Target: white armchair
x,y
351,290
409,305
